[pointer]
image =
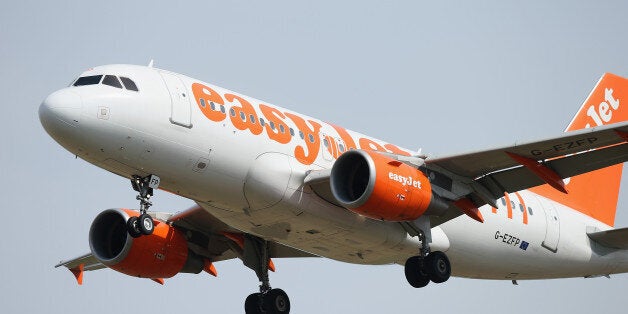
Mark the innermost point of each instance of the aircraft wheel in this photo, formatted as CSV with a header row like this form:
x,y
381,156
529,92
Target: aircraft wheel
x,y
414,274
276,301
132,226
438,267
146,224
252,304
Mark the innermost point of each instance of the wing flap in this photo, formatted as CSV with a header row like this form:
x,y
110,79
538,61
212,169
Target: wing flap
x,y
519,178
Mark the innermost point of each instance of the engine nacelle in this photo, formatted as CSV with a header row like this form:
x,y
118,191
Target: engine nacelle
x,y
162,254
376,186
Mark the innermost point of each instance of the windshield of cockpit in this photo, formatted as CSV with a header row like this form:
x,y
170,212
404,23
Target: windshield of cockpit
x,y
110,80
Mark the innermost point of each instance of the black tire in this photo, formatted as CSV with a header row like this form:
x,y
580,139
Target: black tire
x,y
276,301
146,224
252,304
415,275
438,267
133,228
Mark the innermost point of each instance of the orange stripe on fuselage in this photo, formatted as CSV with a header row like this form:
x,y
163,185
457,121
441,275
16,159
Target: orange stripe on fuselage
x,y
508,205
525,208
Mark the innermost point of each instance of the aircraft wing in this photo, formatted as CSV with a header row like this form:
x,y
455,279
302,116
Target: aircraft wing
x,y
88,261
206,237
484,176
489,173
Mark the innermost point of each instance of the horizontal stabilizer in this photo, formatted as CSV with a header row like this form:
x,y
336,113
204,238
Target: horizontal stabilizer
x,y
614,238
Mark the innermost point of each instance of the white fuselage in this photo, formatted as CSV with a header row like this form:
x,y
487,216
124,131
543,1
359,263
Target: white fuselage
x,y
254,183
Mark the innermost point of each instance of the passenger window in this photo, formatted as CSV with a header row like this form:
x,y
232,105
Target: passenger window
x,y
311,138
252,118
88,80
521,208
530,211
128,83
325,142
112,81
212,105
262,122
282,129
232,112
202,102
272,125
291,132
512,204
503,201
301,135
342,148
222,108
242,116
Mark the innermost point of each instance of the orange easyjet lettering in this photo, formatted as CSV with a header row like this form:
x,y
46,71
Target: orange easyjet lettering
x,y
209,101
244,116
311,137
275,124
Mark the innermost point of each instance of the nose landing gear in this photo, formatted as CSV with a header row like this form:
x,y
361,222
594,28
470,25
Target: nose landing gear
x,y
143,225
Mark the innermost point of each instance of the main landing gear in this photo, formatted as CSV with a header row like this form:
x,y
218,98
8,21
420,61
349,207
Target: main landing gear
x,y
267,300
426,267
143,225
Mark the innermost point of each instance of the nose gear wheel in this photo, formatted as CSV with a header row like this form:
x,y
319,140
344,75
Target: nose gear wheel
x,y
144,224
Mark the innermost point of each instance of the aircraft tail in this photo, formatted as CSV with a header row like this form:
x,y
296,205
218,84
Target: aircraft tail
x,y
595,193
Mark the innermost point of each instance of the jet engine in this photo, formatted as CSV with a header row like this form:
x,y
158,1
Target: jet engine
x,y
379,187
162,254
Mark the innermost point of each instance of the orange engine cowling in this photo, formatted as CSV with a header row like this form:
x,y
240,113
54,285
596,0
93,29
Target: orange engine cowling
x,y
162,254
378,187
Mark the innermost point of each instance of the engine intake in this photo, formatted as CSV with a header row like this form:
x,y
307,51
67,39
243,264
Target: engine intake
x,y
162,254
376,186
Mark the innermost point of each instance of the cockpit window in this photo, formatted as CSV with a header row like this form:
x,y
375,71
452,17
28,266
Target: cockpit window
x,y
88,80
128,83
111,81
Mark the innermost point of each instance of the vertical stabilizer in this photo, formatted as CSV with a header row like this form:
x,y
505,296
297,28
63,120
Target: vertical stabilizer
x,y
595,193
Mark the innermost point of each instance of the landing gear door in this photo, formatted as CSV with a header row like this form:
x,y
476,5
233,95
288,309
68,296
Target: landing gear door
x,y
181,111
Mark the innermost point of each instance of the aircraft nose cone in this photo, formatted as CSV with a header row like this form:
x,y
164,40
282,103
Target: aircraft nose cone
x,y
60,113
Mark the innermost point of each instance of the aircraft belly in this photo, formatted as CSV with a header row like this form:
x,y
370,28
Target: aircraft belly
x,y
301,220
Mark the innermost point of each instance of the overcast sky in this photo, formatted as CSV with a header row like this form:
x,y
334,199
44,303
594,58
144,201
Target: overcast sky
x,y
445,77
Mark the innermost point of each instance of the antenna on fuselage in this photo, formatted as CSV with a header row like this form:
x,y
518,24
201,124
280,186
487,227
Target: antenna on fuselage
x,y
150,64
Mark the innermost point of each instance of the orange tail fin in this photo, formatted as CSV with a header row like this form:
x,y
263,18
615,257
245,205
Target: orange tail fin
x,y
595,193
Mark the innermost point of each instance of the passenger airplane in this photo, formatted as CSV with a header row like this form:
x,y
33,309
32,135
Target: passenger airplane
x,y
271,183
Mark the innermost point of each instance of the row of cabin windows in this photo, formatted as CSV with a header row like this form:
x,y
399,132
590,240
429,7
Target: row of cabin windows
x,y
512,204
340,146
253,120
110,80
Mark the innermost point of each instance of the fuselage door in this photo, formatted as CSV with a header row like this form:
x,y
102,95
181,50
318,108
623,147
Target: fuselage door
x,y
181,112
552,231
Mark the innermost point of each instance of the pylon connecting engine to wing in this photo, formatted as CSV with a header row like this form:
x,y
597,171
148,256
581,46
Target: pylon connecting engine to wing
x,y
379,187
162,254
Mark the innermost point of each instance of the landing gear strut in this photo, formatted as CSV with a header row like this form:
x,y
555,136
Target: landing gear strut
x,y
426,267
143,225
267,300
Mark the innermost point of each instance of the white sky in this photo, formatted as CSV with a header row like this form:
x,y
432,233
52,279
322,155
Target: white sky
x,y
447,77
